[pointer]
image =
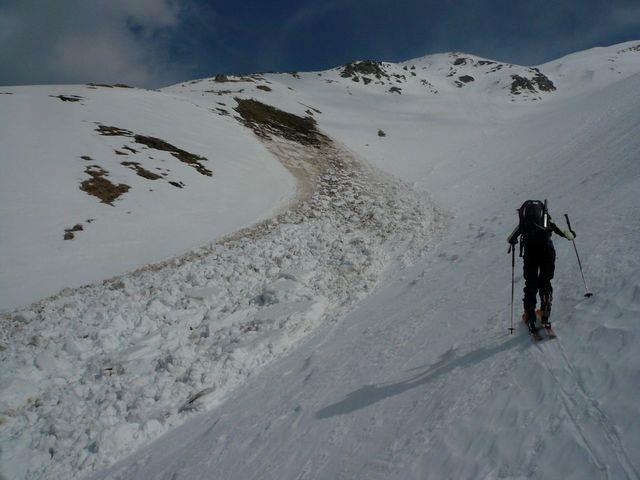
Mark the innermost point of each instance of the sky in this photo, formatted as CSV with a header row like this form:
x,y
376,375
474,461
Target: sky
x,y
153,43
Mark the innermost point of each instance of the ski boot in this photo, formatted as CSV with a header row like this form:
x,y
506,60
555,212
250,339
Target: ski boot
x,y
530,320
545,309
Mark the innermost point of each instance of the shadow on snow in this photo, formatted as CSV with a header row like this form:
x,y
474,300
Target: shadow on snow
x,y
370,394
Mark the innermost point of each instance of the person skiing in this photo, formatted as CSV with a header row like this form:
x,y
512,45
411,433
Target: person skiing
x,y
534,233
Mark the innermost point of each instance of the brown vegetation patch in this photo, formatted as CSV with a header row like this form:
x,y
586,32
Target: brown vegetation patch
x,y
266,120
140,170
113,131
100,187
190,159
263,88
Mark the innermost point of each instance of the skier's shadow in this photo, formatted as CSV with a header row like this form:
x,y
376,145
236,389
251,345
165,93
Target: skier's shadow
x,y
370,394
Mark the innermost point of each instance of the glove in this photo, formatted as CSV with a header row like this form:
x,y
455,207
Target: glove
x,y
568,235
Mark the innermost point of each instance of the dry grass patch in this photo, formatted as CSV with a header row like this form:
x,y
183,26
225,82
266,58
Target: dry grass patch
x,y
266,120
100,187
140,170
190,159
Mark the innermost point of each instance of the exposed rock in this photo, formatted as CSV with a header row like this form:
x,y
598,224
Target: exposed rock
x,y
543,82
68,98
364,67
539,80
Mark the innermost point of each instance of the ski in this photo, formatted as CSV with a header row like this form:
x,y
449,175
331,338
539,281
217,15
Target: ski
x,y
535,336
545,324
549,331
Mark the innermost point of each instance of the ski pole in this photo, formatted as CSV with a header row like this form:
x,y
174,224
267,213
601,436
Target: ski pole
x,y
513,267
588,293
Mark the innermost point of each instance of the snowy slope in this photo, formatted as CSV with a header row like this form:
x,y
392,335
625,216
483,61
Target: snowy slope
x,y
421,378
44,139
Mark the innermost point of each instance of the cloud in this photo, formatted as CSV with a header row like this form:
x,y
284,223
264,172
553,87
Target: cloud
x,y
76,41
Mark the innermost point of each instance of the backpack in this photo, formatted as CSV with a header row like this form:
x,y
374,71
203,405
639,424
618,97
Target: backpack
x,y
534,220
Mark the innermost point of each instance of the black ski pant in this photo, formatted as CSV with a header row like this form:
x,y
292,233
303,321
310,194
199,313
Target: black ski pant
x,y
539,266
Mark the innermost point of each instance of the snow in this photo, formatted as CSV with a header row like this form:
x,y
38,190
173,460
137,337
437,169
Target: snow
x,y
116,364
43,140
362,332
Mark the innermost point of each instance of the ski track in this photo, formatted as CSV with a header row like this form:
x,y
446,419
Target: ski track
x,y
153,347
588,406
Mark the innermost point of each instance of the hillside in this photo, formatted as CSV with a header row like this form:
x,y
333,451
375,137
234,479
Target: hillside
x,y
361,332
81,200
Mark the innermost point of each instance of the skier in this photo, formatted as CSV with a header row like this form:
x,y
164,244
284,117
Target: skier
x,y
534,229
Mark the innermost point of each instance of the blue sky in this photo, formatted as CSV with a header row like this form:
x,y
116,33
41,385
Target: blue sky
x,y
157,42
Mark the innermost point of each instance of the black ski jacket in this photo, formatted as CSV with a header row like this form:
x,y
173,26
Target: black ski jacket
x,y
513,238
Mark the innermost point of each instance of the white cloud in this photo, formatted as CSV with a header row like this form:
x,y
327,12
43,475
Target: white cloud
x,y
86,40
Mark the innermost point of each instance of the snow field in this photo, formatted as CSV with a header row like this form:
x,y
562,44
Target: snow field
x,y
150,348
421,379
44,140
410,378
